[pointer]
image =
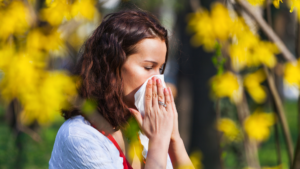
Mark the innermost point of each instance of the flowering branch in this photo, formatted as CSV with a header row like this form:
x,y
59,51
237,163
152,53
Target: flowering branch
x,y
276,101
288,56
250,146
268,30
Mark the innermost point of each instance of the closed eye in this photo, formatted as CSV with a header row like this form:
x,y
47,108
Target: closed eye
x,y
148,68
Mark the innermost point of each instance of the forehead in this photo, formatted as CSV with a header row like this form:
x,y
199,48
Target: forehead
x,y
153,49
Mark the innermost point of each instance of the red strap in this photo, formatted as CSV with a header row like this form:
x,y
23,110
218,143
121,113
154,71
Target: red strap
x,y
111,138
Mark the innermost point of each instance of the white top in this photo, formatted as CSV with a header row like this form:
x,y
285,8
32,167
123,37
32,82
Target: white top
x,y
79,145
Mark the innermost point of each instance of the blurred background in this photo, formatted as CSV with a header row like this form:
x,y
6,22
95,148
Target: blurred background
x,y
233,68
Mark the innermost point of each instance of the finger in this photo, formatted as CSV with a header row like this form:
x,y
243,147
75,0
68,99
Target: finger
x,y
168,100
137,115
148,96
154,93
172,100
160,92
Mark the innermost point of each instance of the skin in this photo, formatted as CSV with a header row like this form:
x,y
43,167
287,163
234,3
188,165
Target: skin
x,y
146,62
162,132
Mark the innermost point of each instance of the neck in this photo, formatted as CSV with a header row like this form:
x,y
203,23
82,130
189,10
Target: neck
x,y
102,124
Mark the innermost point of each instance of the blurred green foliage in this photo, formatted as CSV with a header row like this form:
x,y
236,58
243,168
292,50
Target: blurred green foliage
x,y
20,151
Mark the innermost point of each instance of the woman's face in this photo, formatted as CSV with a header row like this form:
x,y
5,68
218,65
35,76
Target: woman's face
x,y
148,60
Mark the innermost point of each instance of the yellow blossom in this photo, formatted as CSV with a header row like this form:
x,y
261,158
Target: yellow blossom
x,y
264,53
227,85
196,158
240,50
14,19
221,21
229,128
276,3
84,9
54,93
20,77
248,50
238,27
200,22
6,54
36,40
295,4
258,124
292,73
56,11
210,27
252,84
135,150
256,2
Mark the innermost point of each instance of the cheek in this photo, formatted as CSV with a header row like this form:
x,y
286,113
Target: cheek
x,y
133,78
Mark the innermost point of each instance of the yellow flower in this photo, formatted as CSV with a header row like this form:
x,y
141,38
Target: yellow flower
x,y
252,84
135,150
257,125
295,4
239,57
264,53
248,50
6,54
229,128
15,19
221,21
276,3
36,40
53,94
200,22
238,28
240,50
256,2
210,27
196,158
56,11
84,9
292,73
21,76
227,85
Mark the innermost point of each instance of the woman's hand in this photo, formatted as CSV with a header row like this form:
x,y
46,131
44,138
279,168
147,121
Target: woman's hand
x,y
175,132
156,121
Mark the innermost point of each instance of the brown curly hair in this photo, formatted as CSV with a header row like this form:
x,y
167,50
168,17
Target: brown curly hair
x,y
104,54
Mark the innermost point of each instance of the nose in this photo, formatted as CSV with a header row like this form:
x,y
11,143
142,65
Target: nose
x,y
157,72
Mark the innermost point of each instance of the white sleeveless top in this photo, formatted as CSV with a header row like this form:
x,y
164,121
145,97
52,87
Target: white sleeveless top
x,y
79,145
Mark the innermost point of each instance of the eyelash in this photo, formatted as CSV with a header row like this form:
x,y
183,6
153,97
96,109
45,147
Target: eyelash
x,y
149,68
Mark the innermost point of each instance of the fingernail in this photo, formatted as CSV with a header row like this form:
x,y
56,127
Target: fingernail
x,y
149,81
166,90
158,81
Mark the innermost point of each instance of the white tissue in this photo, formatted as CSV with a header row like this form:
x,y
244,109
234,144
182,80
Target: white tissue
x,y
139,96
139,102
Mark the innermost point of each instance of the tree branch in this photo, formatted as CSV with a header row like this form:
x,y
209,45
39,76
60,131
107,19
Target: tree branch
x,y
281,115
268,30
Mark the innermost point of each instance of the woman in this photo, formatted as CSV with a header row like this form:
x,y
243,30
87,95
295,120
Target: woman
x,y
124,51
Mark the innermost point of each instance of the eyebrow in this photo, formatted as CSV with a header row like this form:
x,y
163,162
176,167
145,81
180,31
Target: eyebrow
x,y
152,62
